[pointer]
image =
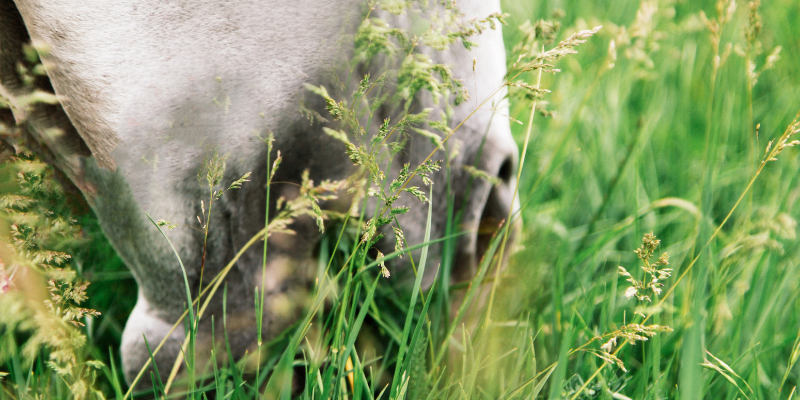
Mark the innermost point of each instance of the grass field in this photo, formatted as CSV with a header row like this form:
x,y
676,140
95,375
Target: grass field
x,y
652,128
664,143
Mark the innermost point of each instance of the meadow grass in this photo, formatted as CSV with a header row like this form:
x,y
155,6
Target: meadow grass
x,y
664,141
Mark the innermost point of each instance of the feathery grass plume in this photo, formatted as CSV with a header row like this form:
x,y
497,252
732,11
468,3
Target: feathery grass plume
x,y
533,58
539,60
725,12
37,224
654,273
406,72
632,333
642,40
771,153
753,47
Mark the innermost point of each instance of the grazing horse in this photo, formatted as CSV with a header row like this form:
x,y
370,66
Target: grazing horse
x,y
148,86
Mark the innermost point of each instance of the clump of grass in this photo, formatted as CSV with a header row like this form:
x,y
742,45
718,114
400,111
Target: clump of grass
x,y
36,227
673,180
48,317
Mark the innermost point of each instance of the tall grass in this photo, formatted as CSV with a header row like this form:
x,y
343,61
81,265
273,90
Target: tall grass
x,y
643,132
664,142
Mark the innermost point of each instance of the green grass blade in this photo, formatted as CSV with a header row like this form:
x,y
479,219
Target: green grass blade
x,y
414,293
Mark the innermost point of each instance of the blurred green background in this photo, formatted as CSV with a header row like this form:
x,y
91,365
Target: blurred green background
x,y
662,143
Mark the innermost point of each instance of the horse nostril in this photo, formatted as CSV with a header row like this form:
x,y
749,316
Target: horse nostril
x,y
505,170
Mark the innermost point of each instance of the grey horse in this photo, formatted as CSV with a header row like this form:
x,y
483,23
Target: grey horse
x,y
148,86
